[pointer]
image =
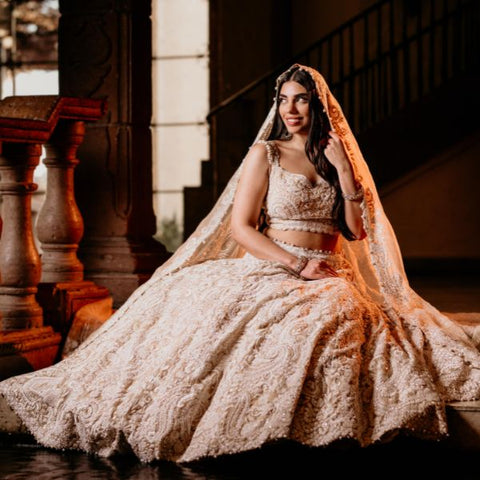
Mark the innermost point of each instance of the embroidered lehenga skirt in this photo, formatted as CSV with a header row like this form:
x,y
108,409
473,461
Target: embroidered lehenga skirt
x,y
227,355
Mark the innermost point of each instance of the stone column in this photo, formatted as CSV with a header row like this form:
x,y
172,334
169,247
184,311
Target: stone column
x,y
105,52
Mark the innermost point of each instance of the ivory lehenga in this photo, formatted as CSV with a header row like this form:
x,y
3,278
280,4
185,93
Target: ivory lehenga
x,y
221,352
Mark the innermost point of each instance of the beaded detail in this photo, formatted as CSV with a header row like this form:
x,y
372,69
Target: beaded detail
x,y
313,250
226,355
293,202
357,196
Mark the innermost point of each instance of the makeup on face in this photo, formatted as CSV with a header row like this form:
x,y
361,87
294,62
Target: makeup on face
x,y
294,107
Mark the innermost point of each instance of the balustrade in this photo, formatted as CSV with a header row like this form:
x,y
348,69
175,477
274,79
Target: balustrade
x,y
38,293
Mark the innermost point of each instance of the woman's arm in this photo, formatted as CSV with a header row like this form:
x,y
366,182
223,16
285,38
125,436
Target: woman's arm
x,y
353,211
247,204
336,155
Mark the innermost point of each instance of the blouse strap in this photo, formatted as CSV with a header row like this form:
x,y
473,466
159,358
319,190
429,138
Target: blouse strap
x,y
272,151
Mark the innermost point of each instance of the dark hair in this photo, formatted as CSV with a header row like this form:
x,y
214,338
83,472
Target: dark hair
x,y
316,141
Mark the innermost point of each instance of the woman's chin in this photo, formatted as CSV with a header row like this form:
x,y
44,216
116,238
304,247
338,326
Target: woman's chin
x,y
297,131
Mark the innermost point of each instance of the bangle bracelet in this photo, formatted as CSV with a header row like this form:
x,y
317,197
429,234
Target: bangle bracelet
x,y
354,197
301,263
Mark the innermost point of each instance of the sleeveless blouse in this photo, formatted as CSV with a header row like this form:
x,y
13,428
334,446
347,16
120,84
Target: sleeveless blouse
x,y
292,202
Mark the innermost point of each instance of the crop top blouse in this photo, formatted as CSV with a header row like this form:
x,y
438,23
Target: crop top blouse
x,y
292,202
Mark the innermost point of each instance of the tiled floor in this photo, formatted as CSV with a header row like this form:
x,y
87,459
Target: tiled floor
x,y
408,459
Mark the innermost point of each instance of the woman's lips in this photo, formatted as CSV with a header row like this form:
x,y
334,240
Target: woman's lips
x,y
293,121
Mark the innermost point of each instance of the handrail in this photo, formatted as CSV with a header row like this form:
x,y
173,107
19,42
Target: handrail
x,y
39,296
279,68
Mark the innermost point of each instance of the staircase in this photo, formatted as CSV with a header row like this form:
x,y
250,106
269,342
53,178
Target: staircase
x,y
405,73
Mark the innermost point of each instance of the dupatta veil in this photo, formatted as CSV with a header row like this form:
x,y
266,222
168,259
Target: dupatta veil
x,y
376,260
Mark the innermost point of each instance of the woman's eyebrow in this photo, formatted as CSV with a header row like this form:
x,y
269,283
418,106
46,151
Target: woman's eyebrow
x,y
282,95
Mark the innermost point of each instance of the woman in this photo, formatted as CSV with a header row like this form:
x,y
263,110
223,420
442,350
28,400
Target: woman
x,y
323,174
296,323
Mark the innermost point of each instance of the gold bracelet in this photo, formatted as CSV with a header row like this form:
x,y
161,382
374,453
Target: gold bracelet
x,y
354,197
301,263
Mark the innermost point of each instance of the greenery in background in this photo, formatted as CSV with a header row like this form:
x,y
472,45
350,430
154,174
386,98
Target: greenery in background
x,y
170,233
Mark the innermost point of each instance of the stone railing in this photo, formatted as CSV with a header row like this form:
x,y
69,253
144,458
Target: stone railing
x,y
36,293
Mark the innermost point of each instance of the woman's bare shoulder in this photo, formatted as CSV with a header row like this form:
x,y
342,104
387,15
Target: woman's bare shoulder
x,y
258,156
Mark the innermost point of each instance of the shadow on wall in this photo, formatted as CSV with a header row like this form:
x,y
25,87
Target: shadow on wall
x,y
434,208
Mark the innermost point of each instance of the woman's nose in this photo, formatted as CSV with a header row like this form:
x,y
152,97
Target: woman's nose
x,y
291,107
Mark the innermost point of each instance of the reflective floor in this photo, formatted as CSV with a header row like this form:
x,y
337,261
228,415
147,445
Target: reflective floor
x,y
406,459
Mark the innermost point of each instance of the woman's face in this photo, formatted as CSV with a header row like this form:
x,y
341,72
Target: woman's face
x,y
294,107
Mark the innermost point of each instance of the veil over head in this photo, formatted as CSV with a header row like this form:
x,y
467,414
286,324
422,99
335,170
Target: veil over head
x,y
376,260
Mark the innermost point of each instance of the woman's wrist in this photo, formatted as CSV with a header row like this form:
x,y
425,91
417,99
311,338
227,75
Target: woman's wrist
x,y
297,264
344,168
301,264
354,196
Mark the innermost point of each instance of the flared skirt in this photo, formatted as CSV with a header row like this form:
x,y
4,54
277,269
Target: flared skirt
x,y
226,355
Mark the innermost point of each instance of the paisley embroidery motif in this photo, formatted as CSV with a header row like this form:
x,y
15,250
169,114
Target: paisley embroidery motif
x,y
177,375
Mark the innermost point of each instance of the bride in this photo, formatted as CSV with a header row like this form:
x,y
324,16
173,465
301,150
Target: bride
x,y
286,315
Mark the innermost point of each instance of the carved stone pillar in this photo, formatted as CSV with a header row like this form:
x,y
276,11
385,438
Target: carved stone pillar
x,y
19,259
105,52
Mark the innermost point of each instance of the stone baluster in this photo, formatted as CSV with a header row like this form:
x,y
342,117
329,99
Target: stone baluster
x,y
59,224
19,259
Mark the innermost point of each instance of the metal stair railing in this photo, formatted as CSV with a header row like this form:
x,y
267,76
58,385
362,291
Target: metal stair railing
x,y
386,57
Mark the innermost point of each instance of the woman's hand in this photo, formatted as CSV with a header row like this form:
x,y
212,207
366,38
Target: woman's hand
x,y
317,269
336,155
335,151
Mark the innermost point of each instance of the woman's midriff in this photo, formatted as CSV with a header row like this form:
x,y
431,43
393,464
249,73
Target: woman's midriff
x,y
316,241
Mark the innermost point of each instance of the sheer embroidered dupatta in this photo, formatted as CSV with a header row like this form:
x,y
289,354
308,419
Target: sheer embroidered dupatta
x,y
377,259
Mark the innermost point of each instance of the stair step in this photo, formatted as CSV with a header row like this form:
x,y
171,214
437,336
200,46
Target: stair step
x,y
464,424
